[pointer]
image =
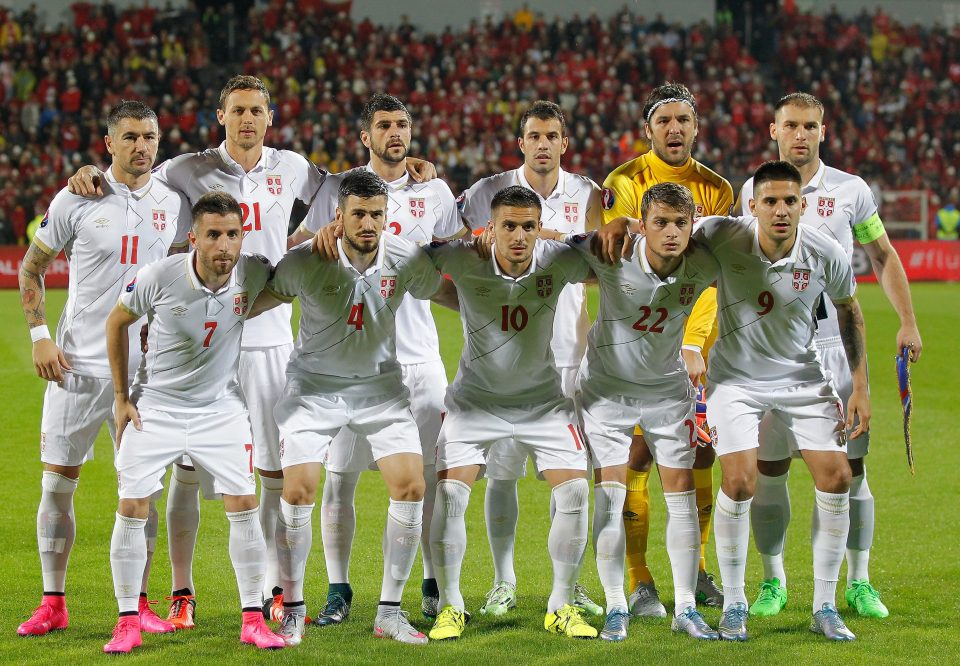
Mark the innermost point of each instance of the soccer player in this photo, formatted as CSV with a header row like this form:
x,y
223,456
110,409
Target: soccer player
x,y
106,241
633,374
570,205
344,374
839,204
187,402
671,126
773,275
508,387
421,213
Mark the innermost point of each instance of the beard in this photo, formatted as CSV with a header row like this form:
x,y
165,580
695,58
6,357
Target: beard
x,y
385,155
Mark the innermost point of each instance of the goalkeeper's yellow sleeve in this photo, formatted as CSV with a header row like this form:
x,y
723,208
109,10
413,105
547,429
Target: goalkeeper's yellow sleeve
x,y
702,319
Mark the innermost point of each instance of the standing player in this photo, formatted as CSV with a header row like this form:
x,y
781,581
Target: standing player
x,y
670,123
773,275
508,388
105,241
187,402
344,374
633,374
266,183
570,205
839,204
421,213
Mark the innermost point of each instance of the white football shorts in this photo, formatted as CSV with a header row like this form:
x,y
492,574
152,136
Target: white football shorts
x,y
72,415
262,375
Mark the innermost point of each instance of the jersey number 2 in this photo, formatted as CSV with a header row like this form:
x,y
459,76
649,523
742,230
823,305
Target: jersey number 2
x,y
645,312
245,209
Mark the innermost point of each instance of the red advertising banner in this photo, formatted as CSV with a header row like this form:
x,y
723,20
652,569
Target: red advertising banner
x,y
10,258
936,261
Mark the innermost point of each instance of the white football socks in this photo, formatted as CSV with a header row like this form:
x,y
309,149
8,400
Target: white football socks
x,y
683,546
401,539
294,539
860,538
183,523
56,529
270,491
831,521
338,523
609,540
769,517
150,534
248,552
128,557
448,536
501,510
567,539
731,529
429,500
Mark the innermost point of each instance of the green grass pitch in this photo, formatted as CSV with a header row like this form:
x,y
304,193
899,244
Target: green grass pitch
x,y
913,562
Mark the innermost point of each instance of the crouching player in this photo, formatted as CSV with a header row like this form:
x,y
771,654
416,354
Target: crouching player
x,y
633,374
508,387
188,402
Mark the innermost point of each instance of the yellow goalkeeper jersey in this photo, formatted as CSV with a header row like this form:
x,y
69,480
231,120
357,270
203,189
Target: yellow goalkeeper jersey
x,y
622,191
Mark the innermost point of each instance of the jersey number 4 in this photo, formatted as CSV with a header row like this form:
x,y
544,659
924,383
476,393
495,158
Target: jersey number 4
x,y
356,316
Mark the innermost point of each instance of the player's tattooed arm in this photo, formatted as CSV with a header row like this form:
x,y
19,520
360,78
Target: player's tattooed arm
x,y
48,359
854,338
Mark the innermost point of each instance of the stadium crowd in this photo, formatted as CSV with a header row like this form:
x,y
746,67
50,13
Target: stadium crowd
x,y
890,90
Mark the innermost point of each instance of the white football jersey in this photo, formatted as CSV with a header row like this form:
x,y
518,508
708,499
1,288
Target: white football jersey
x,y
106,241
347,339
574,202
266,195
194,335
508,322
767,310
837,204
419,212
633,347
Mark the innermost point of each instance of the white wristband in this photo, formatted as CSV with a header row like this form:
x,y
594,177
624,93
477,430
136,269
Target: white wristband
x,y
693,348
39,333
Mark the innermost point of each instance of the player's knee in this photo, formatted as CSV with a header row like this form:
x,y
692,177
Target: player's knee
x,y
408,490
298,494
836,480
739,486
134,507
857,468
640,457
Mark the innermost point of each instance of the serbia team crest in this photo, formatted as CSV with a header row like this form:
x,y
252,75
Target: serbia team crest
x,y
801,279
571,212
274,186
545,285
388,286
686,294
825,206
418,207
159,219
240,304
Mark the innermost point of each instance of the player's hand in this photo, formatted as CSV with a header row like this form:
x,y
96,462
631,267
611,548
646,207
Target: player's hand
x,y
909,337
550,234
125,412
612,242
143,338
858,406
49,361
86,182
483,243
325,242
696,366
421,170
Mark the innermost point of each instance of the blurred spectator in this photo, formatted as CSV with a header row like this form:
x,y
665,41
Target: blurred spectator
x,y
891,91
948,219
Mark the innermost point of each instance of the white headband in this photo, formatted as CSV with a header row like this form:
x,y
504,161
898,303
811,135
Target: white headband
x,y
669,100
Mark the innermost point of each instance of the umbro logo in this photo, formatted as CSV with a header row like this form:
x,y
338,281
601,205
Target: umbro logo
x,y
101,222
178,311
216,187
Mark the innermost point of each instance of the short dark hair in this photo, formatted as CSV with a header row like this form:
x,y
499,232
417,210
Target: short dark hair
x,y
669,194
669,90
380,102
800,99
129,108
243,82
776,170
360,183
544,110
215,203
516,197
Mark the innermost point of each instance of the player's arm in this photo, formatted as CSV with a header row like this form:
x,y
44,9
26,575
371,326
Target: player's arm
x,y
893,279
696,332
613,241
118,352
853,336
48,359
446,296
